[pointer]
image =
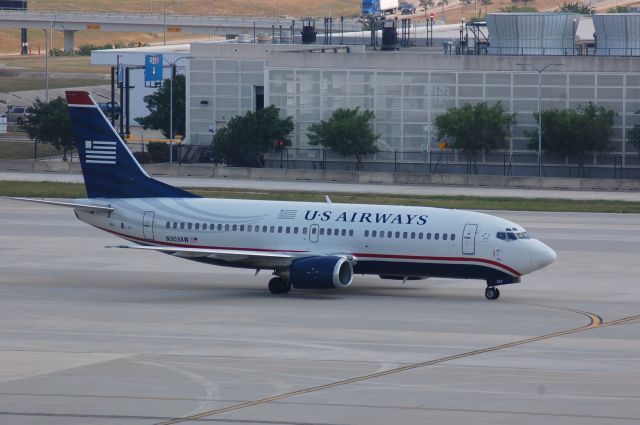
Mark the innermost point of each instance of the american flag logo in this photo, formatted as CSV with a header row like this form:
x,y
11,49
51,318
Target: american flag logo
x,y
287,214
100,152
194,239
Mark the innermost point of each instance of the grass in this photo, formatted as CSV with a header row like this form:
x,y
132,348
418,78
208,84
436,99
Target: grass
x,y
56,64
13,84
24,150
74,190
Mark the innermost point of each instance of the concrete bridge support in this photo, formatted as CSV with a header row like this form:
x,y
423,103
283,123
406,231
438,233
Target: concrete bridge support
x,y
69,36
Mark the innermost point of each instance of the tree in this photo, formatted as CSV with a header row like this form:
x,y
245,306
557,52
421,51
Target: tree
x,y
347,132
575,133
245,138
475,128
159,106
576,7
426,5
618,9
634,136
49,122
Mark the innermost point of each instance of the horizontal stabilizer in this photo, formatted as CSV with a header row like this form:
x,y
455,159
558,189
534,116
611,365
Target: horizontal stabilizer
x,y
81,207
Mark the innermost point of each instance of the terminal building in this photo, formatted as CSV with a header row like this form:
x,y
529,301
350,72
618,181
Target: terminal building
x,y
409,87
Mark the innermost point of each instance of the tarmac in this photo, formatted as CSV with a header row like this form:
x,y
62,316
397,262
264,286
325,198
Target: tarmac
x,y
100,336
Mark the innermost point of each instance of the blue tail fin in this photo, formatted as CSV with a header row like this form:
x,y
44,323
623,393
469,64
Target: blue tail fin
x,y
108,166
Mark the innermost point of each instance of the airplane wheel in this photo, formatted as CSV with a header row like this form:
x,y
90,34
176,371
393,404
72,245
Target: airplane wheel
x,y
278,286
492,293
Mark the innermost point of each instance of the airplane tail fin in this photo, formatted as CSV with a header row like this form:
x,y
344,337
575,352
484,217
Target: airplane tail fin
x,y
109,168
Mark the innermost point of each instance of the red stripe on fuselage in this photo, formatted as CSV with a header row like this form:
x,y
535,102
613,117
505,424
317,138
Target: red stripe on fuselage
x,y
357,255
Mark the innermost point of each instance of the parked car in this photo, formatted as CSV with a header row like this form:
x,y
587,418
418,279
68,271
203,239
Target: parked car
x,y
407,8
106,108
17,114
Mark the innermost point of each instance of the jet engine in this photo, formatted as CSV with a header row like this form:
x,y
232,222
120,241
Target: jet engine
x,y
319,273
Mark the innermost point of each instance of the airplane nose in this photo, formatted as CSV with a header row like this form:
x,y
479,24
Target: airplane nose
x,y
541,256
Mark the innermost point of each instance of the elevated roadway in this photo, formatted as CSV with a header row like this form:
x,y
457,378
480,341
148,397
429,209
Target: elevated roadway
x,y
71,22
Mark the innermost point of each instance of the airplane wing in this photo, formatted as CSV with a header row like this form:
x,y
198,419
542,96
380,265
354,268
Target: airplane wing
x,y
217,254
82,207
236,256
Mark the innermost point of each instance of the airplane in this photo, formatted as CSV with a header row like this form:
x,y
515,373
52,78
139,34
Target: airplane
x,y
307,245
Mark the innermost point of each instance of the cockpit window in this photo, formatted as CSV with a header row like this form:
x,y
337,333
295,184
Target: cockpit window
x,y
512,236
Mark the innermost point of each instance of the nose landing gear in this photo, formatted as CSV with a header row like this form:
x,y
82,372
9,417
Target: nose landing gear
x,y
492,293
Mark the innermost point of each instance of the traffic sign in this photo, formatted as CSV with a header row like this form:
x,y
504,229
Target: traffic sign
x,y
432,16
152,69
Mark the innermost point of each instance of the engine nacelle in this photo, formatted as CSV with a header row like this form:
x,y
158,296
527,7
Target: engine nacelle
x,y
319,273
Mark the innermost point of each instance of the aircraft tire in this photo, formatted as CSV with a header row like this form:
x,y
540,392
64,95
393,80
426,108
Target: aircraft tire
x,y
278,286
492,293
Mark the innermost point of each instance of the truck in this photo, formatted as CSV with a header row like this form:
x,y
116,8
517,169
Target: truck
x,y
379,7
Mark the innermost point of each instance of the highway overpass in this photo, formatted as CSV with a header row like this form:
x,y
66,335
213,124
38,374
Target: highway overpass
x,y
71,22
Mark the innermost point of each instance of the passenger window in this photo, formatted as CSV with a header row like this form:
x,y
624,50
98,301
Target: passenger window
x,y
234,227
322,230
428,236
413,235
181,226
219,226
404,235
389,234
420,235
304,231
272,229
295,230
351,232
366,233
436,236
168,224
197,226
249,228
313,230
344,232
264,229
374,233
242,227
226,227
204,226
288,229
328,232
444,236
397,235
453,236
175,224
279,229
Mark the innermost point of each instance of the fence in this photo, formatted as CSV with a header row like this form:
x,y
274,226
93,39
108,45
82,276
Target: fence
x,y
436,162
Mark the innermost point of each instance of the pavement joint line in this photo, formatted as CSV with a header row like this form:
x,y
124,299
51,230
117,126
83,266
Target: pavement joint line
x,y
595,321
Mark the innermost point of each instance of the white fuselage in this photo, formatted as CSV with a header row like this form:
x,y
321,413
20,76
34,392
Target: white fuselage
x,y
393,241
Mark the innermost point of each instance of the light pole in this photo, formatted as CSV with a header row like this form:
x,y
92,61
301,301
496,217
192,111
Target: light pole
x,y
173,68
539,71
164,19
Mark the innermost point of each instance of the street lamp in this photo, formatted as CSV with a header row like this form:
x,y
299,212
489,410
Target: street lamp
x,y
164,21
173,67
539,71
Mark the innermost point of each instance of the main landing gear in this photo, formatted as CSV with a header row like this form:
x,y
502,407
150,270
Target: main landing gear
x,y
492,293
279,286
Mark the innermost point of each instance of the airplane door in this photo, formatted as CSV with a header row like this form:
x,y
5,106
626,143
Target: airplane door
x,y
147,224
314,230
469,239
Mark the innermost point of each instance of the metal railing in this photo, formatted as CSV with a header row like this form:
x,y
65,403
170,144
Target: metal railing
x,y
442,162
